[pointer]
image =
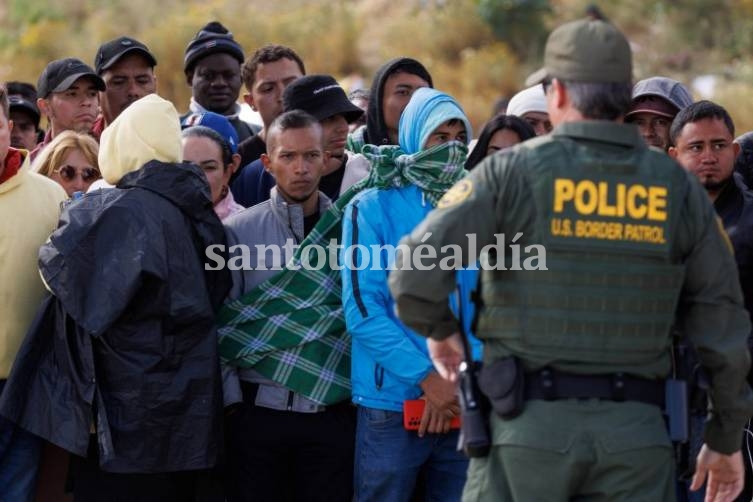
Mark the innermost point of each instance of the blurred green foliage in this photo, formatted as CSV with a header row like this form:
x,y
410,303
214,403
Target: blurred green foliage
x,y
477,50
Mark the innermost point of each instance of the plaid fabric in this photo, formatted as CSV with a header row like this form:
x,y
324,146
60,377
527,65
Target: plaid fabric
x,y
356,140
433,170
291,328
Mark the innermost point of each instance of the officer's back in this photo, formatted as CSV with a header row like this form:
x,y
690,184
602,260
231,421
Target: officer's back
x,y
598,200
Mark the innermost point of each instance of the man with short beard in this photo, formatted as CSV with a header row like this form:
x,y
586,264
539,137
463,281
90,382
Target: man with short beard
x,y
703,138
703,135
68,97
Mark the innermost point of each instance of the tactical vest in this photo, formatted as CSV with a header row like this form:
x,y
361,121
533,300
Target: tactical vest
x,y
606,218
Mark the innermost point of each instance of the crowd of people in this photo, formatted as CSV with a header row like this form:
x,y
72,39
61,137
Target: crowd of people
x,y
133,368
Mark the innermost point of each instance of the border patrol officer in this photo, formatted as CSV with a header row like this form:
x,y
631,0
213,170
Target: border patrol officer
x,y
576,352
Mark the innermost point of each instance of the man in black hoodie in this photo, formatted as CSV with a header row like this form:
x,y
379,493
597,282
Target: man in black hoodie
x,y
703,138
702,135
391,90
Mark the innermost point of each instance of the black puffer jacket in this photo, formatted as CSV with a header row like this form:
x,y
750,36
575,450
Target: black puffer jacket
x,y
744,161
734,205
129,337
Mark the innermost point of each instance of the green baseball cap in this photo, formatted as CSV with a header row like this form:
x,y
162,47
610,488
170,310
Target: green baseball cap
x,y
586,50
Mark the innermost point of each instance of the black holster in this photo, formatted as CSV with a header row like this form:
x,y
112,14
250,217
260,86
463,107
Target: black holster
x,y
474,423
687,368
503,382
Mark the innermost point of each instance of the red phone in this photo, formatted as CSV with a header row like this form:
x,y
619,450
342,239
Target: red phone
x,y
413,410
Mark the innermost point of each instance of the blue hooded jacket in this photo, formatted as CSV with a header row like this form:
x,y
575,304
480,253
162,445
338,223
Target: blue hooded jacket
x,y
389,360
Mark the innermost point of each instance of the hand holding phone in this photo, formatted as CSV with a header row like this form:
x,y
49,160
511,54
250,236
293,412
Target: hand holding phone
x,y
417,418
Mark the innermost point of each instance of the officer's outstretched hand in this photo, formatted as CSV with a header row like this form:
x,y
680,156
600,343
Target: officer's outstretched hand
x,y
447,355
725,475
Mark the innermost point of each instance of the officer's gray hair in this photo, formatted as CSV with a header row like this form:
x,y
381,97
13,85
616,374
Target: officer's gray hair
x,y
600,100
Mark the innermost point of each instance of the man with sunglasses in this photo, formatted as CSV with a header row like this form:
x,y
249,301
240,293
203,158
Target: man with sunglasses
x,y
68,96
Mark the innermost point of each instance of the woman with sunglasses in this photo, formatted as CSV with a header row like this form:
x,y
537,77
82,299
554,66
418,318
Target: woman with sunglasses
x,y
71,160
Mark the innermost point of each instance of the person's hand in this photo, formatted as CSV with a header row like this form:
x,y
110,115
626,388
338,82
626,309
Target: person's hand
x,y
434,420
447,355
440,393
725,475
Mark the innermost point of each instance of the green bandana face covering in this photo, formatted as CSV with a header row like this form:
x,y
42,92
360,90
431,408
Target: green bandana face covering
x,y
433,170
291,328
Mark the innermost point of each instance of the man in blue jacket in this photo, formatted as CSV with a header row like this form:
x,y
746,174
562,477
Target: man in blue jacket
x,y
390,362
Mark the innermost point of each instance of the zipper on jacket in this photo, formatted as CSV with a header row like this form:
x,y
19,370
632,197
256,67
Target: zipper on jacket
x,y
291,395
353,271
378,376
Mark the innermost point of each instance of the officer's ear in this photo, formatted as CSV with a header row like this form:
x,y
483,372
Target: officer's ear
x,y
672,152
560,93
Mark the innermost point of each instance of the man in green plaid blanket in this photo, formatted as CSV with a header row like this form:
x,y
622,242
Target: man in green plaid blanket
x,y
282,337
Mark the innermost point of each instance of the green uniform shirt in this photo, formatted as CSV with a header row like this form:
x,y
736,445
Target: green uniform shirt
x,y
632,244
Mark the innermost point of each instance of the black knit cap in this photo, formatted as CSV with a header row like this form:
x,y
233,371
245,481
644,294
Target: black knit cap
x,y
211,39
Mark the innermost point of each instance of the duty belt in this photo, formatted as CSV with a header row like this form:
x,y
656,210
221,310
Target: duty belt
x,y
550,385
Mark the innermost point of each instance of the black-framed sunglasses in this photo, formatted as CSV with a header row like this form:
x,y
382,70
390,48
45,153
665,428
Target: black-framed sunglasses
x,y
69,173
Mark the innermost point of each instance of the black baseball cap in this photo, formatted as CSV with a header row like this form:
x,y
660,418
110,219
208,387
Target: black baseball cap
x,y
21,103
320,96
110,52
60,74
